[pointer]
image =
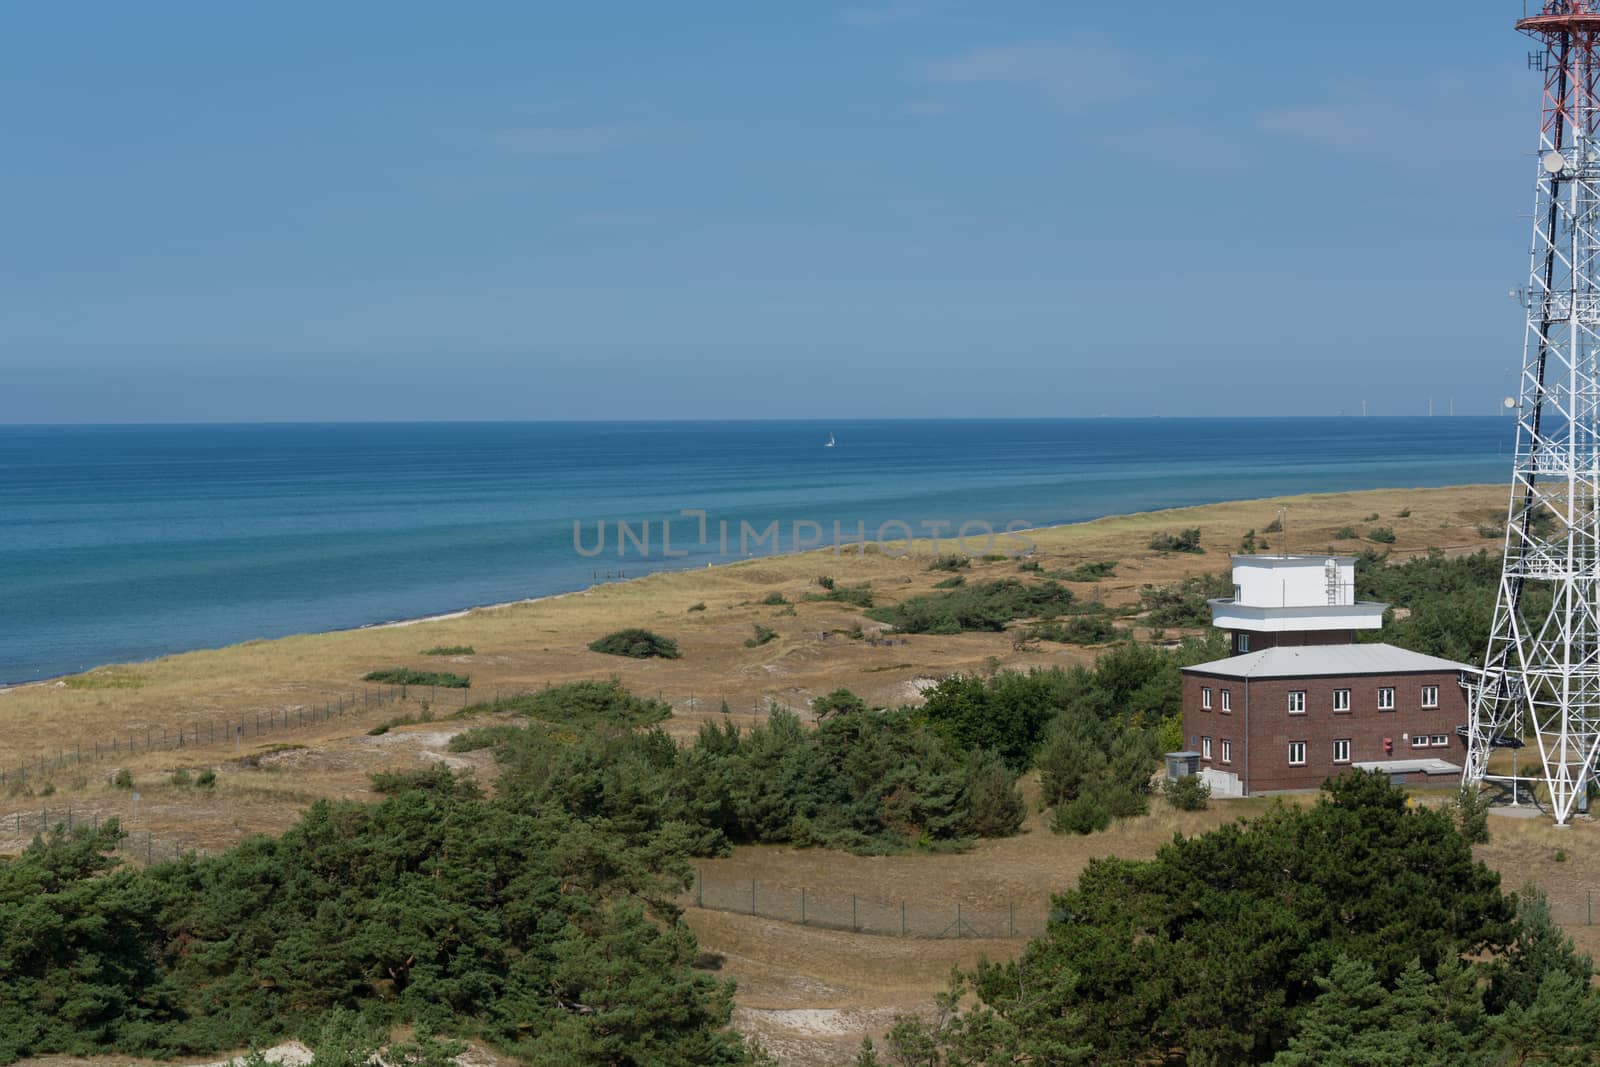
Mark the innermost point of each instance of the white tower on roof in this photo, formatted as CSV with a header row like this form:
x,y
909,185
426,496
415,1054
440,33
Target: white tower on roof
x,y
1294,600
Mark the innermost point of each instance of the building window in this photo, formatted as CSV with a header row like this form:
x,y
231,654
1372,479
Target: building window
x,y
1205,698
1227,700
1227,751
1430,696
1244,642
1297,702
1205,748
1441,740
1341,751
1297,753
1419,740
1386,698
1341,700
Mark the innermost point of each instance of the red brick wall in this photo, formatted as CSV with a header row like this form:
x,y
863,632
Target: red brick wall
x,y
1272,727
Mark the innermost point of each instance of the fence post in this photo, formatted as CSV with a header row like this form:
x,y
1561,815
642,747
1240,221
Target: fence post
x,y
855,926
752,896
1011,919
700,889
902,918
959,934
149,849
802,905
1591,908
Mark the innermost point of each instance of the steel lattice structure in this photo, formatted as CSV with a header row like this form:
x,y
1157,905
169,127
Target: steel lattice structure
x,y
1541,678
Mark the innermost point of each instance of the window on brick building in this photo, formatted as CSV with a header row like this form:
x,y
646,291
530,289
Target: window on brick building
x,y
1341,700
1430,696
1386,698
1244,642
1205,748
1227,700
1205,698
1227,751
1341,751
1440,740
1297,702
1297,753
1419,741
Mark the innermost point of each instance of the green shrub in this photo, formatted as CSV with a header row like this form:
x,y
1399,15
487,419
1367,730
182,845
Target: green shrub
x,y
950,563
1486,530
1383,535
825,581
449,650
123,779
1031,566
1403,513
1471,809
1089,628
838,702
1247,543
180,777
636,643
701,606
984,606
1083,815
763,635
1189,793
406,676
591,703
773,599
1275,526
1345,533
384,727
1183,541
1184,603
206,779
1091,571
954,582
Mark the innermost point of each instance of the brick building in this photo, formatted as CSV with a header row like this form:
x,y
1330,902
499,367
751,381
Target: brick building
x,y
1298,699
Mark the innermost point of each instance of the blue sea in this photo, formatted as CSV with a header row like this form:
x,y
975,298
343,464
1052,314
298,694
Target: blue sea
x,y
123,543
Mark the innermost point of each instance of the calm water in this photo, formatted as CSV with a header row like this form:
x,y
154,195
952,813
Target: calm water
x,y
124,543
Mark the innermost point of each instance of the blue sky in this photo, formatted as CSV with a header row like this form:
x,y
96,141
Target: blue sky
x,y
896,208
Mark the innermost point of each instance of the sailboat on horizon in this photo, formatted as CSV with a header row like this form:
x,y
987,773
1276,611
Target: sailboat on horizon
x,y
830,440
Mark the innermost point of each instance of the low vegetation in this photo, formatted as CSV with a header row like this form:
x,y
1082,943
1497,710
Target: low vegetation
x,y
1184,603
449,650
1356,931
986,606
1092,571
548,934
762,635
586,704
636,643
950,563
407,676
1181,541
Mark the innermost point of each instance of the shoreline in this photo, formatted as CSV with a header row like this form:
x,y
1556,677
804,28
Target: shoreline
x,y
833,550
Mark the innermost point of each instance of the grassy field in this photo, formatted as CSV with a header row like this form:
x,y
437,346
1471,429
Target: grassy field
x,y
809,993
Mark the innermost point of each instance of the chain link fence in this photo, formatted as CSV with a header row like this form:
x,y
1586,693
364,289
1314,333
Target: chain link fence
x,y
865,914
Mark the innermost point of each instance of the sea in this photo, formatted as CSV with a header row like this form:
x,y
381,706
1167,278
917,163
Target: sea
x,y
124,543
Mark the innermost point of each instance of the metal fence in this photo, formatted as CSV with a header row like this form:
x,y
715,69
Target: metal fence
x,y
114,744
866,914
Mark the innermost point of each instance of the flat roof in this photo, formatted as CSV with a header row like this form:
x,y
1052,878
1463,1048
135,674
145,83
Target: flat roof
x,y
1318,558
1409,766
1298,661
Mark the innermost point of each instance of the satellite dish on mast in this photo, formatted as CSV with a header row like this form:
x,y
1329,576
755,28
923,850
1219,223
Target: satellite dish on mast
x,y
1554,162
1510,403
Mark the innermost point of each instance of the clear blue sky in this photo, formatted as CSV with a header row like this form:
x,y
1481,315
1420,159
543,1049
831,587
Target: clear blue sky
x,y
887,208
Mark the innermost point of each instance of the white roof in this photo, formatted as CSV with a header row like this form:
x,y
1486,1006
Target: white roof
x,y
1310,660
